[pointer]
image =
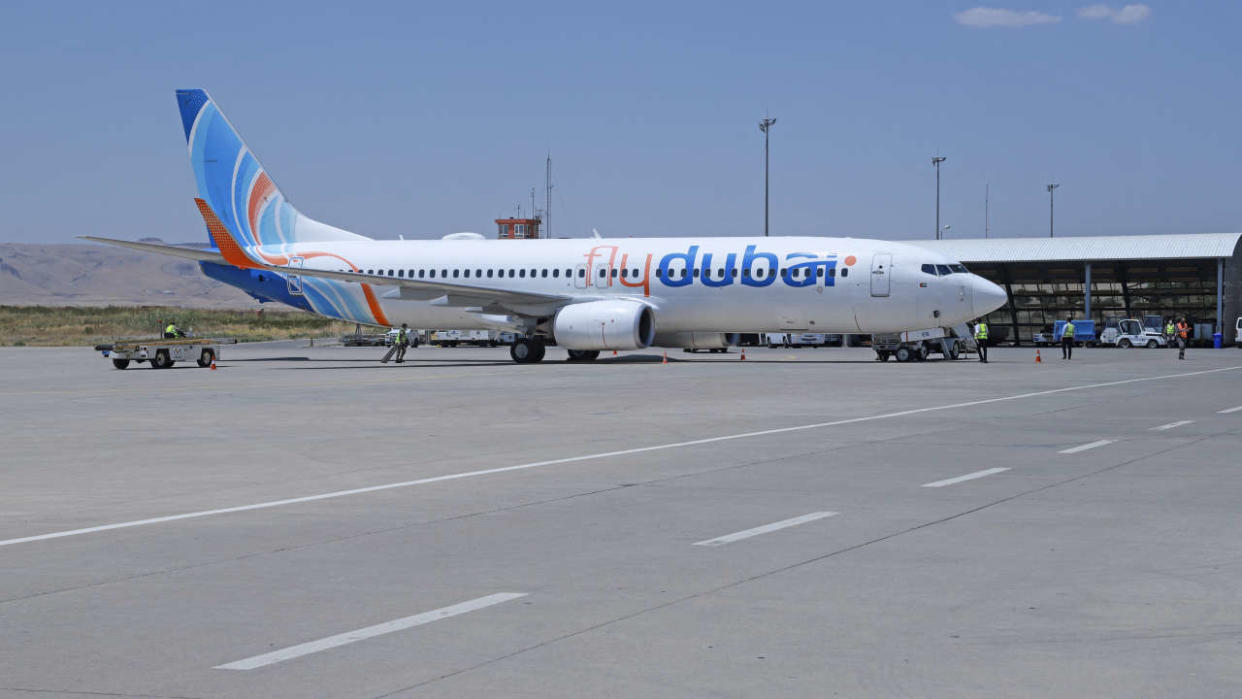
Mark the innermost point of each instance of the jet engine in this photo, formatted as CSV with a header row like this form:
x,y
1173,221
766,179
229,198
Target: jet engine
x,y
604,325
706,341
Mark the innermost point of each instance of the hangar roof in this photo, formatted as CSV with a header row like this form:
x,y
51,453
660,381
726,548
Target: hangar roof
x,y
1088,248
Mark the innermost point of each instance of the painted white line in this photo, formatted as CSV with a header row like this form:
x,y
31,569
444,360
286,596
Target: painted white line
x,y
967,477
1171,425
1226,411
278,656
601,455
747,533
1085,447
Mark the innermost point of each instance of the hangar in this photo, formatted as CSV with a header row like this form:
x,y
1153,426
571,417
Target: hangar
x,y
1105,278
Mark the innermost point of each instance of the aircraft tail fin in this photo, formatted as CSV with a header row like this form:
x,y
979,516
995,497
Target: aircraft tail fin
x,y
234,185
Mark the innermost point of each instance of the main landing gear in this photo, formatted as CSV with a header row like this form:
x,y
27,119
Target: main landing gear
x,y
527,350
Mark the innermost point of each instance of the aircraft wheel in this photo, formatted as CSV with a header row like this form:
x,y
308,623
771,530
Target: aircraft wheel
x,y
120,363
583,355
527,350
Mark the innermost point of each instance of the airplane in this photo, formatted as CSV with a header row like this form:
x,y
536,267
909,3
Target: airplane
x,y
585,295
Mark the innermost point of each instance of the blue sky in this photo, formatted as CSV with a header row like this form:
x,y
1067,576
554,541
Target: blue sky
x,y
428,118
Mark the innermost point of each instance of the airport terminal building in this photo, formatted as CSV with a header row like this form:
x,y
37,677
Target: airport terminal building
x,y
1198,276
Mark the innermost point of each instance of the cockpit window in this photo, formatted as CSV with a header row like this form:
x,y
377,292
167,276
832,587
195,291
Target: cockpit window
x,y
929,269
959,268
943,270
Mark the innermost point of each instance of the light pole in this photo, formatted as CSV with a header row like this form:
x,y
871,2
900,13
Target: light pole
x,y
944,230
936,163
764,125
1050,188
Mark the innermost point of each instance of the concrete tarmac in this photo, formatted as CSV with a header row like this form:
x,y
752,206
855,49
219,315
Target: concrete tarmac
x,y
306,522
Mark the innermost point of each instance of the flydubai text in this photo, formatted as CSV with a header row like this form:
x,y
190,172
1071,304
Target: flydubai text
x,y
678,269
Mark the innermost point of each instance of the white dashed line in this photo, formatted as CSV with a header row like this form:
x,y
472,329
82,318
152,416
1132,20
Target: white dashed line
x,y
1085,447
1226,411
1171,425
341,639
747,533
967,477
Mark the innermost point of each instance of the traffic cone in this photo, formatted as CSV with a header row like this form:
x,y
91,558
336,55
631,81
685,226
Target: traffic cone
x,y
614,353
213,364
743,354
1037,358
665,358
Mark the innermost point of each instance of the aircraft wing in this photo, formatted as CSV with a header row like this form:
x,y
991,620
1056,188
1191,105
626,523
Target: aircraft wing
x,y
438,293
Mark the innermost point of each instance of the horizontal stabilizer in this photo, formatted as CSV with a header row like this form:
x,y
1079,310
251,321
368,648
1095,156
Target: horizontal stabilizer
x,y
160,249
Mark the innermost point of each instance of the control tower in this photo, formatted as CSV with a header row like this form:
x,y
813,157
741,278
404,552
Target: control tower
x,y
518,227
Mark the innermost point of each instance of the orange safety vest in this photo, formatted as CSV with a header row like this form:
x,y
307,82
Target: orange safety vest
x,y
1183,330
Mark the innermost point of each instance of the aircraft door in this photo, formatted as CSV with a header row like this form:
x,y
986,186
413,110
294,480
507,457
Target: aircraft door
x,y
295,281
580,276
881,273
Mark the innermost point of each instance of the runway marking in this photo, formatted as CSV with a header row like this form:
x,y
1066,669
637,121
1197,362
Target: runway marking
x,y
1226,411
1088,445
1171,425
592,457
341,639
775,526
967,477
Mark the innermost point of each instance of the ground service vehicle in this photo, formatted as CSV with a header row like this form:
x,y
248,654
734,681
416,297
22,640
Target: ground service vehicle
x,y
163,353
1084,332
1130,333
917,345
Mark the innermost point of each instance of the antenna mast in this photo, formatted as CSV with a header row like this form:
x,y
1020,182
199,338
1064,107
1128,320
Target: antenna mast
x,y
986,197
547,206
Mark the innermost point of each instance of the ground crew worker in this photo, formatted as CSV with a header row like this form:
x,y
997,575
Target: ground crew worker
x,y
1170,331
1183,337
981,340
1067,339
171,332
402,341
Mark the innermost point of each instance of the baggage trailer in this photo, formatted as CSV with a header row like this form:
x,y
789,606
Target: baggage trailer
x,y
163,353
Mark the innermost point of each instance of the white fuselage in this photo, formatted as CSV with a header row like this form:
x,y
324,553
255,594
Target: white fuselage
x,y
841,285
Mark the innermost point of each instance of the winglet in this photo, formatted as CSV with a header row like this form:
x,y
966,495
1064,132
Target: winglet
x,y
229,249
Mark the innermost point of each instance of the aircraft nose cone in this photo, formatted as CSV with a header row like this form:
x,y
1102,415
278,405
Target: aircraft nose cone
x,y
986,296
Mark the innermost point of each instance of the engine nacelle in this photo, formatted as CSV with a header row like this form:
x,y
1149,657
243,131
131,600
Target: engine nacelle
x,y
604,325
696,340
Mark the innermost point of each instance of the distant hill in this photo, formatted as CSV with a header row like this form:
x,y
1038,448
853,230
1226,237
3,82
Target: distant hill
x,y
97,275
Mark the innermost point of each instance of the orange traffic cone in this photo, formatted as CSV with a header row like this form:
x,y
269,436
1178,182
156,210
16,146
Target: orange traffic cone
x,y
213,365
743,354
665,358
614,353
1037,359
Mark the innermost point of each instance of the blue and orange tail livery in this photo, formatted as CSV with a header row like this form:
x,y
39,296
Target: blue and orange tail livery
x,y
234,185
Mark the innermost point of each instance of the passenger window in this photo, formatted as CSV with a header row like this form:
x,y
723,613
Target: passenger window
x,y
845,272
556,273
696,272
422,273
819,272
544,273
444,273
733,273
510,274
401,273
581,273
411,274
489,274
601,273
478,273
832,271
522,273
370,271
455,273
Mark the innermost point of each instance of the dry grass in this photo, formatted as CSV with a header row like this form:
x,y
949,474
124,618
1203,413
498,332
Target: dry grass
x,y
68,325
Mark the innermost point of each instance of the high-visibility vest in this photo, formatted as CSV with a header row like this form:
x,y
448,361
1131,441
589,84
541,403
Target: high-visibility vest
x,y
1169,329
1183,330
981,331
1067,331
401,338
171,330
